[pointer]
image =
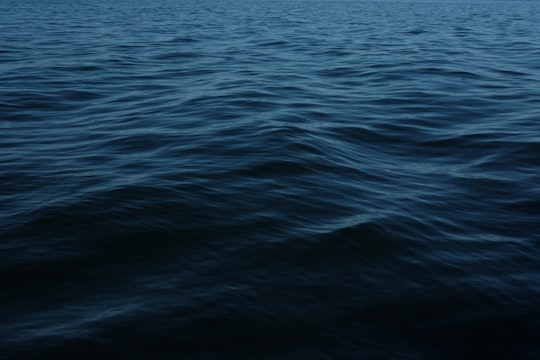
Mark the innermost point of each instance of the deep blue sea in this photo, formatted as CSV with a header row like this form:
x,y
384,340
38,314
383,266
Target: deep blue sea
x,y
259,179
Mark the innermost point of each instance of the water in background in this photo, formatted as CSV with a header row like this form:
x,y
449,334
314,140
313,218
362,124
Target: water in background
x,y
260,179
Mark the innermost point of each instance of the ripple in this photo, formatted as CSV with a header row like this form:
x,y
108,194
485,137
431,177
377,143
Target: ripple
x,y
294,179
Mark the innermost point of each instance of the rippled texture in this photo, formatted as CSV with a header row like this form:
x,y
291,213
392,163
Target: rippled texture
x,y
261,179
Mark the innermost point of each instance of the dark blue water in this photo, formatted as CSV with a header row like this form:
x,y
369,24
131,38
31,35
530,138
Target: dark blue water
x,y
260,179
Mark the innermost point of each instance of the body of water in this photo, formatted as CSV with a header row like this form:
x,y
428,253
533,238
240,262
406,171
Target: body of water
x,y
261,179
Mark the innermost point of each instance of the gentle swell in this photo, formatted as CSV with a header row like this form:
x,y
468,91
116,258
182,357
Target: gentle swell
x,y
266,179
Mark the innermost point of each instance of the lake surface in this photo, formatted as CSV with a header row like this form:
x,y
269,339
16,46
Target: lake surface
x,y
260,179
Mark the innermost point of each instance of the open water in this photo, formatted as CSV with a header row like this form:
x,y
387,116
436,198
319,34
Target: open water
x,y
257,179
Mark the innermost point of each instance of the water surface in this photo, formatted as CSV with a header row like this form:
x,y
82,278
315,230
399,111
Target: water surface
x,y
261,179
